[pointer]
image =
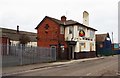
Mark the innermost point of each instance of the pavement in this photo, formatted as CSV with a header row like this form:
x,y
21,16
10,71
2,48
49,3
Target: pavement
x,y
6,71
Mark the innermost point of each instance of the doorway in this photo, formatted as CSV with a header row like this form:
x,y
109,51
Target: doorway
x,y
71,52
53,52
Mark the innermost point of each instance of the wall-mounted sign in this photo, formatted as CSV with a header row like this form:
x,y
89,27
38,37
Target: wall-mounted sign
x,y
71,42
116,46
81,33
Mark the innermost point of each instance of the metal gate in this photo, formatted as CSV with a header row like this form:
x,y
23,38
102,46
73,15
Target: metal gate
x,y
53,51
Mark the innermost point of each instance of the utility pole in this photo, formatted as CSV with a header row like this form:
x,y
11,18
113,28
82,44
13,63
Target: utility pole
x,y
112,38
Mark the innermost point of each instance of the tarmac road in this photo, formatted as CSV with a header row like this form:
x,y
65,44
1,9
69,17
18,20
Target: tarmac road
x,y
107,66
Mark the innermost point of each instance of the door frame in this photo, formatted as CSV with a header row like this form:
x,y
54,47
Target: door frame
x,y
71,52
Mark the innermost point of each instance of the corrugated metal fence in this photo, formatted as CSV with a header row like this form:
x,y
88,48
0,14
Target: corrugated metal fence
x,y
19,55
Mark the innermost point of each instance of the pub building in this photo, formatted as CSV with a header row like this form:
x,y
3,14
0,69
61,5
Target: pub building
x,y
71,39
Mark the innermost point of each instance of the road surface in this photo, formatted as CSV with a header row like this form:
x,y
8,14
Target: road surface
x,y
107,66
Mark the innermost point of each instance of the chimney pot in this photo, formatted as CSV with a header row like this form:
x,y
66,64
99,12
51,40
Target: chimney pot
x,y
63,18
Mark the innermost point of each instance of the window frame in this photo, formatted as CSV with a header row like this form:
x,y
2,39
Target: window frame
x,y
46,27
70,29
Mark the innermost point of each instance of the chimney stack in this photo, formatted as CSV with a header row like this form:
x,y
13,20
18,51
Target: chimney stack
x,y
86,18
17,29
63,19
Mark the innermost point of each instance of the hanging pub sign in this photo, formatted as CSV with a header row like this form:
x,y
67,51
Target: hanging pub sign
x,y
81,33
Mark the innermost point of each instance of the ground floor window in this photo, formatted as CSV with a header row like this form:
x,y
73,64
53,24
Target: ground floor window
x,y
83,44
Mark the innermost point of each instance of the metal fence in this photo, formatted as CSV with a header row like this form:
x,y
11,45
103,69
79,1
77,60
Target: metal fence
x,y
19,55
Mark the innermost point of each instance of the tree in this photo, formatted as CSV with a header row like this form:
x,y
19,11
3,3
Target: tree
x,y
24,39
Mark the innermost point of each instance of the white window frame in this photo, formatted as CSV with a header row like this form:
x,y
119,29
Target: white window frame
x,y
71,30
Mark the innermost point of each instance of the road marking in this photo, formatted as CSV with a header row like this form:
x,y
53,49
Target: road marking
x,y
118,74
62,66
88,74
59,66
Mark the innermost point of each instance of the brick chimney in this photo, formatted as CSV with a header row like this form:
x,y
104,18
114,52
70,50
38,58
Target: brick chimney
x,y
86,18
17,29
63,19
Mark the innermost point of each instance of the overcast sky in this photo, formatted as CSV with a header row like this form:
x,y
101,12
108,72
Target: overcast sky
x,y
103,14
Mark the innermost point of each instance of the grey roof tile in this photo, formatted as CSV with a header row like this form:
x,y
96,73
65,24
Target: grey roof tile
x,y
13,35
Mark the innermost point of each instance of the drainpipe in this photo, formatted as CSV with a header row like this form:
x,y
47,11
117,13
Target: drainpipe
x,y
7,46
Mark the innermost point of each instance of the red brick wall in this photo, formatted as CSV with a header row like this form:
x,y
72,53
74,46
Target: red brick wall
x,y
3,40
51,35
3,44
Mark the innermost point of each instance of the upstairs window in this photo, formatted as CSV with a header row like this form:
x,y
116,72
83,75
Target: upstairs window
x,y
91,34
70,30
81,28
46,26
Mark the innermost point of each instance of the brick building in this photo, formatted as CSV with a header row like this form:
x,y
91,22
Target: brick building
x,y
71,39
50,33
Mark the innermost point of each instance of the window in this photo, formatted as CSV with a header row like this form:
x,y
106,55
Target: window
x,y
46,26
81,28
70,30
91,34
83,44
61,29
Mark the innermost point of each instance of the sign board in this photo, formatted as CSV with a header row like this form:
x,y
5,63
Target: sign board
x,y
81,33
71,42
115,46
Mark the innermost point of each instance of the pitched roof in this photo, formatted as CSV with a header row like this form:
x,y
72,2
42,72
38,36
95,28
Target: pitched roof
x,y
67,23
102,37
13,35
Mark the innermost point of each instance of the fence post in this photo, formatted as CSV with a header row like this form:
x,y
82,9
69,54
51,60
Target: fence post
x,y
21,50
7,46
1,49
53,53
8,49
